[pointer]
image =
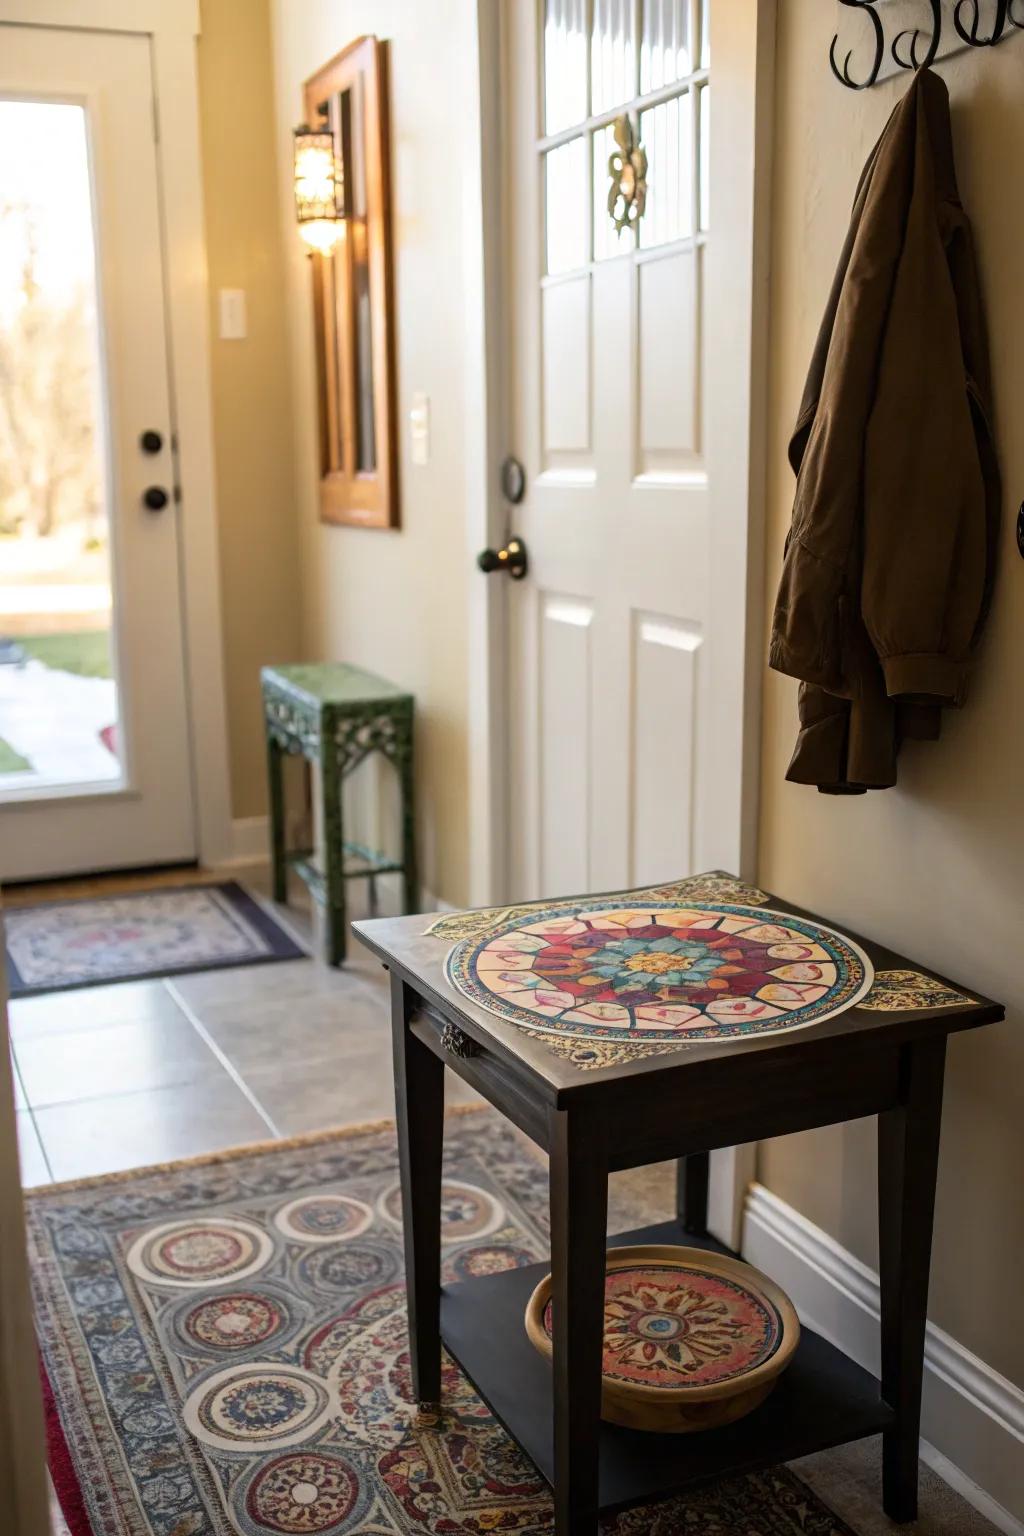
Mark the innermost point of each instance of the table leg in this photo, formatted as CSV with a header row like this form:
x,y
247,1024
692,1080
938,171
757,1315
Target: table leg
x,y
692,1177
419,1099
579,1216
334,856
410,877
275,786
908,1152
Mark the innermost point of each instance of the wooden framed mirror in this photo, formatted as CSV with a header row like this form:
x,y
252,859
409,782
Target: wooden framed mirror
x,y
354,297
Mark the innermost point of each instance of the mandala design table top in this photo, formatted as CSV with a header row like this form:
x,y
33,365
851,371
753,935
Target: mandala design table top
x,y
660,970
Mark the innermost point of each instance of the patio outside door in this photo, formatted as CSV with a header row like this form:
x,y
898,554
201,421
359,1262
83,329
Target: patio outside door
x,y
95,762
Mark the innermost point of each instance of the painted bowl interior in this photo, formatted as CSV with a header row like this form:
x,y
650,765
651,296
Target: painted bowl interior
x,y
682,1324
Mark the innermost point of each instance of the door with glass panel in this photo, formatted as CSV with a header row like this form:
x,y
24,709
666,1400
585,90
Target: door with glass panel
x,y
94,741
629,197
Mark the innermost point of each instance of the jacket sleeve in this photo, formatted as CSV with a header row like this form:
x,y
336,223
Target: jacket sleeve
x,y
821,562
926,518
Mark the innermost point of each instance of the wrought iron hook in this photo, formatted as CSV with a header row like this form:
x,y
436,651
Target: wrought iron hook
x,y
972,37
843,75
914,34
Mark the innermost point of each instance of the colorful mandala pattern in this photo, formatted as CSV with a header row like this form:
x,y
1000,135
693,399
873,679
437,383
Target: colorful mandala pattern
x,y
259,1405
302,1494
467,1212
232,1322
670,1329
906,991
323,1218
641,973
716,885
213,1251
339,1270
489,1259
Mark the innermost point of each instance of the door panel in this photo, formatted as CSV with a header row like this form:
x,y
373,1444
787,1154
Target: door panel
x,y
108,781
630,408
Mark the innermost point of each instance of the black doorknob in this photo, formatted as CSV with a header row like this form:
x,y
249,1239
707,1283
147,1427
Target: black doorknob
x,y
155,498
511,559
150,441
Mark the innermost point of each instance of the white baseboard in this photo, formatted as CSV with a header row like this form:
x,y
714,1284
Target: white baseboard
x,y
973,1418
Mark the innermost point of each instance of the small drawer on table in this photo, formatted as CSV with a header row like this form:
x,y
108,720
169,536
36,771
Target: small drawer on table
x,y
485,1070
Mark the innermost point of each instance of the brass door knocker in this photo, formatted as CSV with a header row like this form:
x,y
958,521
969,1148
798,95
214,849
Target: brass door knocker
x,y
627,167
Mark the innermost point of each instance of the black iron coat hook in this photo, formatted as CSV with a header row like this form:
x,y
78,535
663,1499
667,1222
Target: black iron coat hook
x,y
910,50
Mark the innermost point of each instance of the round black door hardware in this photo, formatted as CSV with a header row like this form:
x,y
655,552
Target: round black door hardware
x,y
1020,530
150,441
511,559
513,481
155,498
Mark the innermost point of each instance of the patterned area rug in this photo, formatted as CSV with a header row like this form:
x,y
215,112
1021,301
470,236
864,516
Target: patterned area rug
x,y
225,1346
64,944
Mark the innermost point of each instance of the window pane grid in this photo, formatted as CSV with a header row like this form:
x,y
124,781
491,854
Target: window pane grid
x,y
650,58
666,52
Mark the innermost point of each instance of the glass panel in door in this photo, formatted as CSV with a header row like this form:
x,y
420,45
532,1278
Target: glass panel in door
x,y
59,707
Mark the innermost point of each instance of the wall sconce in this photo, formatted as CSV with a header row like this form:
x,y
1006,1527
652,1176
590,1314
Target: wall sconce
x,y
319,188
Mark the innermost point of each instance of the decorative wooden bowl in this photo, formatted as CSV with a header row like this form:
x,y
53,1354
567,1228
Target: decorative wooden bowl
x,y
692,1340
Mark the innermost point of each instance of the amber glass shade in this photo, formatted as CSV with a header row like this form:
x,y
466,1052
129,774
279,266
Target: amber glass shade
x,y
319,188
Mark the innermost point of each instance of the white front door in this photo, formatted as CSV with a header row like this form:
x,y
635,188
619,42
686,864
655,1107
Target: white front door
x,y
631,747
95,762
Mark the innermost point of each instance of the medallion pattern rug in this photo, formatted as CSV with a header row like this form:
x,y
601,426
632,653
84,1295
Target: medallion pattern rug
x,y
225,1353
64,944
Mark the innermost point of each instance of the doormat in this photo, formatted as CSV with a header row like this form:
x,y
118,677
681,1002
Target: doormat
x,y
225,1351
88,943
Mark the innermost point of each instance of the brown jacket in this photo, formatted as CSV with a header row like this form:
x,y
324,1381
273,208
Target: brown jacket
x,y
889,562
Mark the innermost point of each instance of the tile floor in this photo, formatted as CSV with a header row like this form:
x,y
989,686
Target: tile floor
x,y
145,1072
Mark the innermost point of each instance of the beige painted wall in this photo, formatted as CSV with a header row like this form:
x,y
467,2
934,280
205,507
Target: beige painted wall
x,y
935,866
396,602
258,528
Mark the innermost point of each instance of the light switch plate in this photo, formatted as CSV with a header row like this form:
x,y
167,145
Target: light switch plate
x,y
233,326
419,428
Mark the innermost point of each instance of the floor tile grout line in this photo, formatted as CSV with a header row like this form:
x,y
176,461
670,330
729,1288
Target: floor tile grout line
x,y
225,1061
116,1093
29,1110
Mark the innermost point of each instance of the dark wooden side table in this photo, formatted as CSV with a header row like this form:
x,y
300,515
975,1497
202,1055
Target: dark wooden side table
x,y
682,1104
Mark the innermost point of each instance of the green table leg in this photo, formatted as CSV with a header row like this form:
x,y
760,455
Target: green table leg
x,y
275,775
334,856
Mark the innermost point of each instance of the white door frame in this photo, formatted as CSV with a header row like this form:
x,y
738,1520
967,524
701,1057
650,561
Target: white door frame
x,y
744,106
172,27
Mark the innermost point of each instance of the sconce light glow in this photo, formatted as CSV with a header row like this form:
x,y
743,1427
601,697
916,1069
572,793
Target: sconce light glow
x,y
322,234
319,189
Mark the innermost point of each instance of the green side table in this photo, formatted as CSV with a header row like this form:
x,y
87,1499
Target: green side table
x,y
337,715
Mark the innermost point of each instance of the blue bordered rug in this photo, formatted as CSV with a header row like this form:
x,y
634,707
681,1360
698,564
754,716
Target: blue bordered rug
x,y
89,943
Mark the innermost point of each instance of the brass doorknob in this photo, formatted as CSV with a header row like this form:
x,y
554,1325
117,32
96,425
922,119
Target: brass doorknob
x,y
511,559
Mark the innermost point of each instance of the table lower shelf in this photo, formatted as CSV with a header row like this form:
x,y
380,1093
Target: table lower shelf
x,y
824,1399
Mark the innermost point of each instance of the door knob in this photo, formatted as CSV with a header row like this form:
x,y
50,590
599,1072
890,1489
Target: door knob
x,y
150,441
511,559
155,498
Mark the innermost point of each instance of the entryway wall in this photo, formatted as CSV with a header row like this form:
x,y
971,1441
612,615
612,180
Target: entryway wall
x,y
397,603
935,865
251,387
